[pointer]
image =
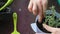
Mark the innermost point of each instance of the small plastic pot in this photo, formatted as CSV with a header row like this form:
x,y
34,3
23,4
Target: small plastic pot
x,y
39,25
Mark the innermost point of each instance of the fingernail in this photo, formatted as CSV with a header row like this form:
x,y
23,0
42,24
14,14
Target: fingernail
x,y
40,19
44,25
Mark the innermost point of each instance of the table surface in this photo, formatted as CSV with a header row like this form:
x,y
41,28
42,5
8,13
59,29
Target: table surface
x,y
25,18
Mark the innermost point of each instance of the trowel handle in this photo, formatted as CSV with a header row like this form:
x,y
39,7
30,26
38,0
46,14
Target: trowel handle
x,y
15,20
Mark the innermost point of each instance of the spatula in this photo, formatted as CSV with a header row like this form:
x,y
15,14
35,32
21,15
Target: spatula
x,y
15,24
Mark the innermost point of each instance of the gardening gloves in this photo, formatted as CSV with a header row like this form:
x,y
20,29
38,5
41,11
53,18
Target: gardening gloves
x,y
37,7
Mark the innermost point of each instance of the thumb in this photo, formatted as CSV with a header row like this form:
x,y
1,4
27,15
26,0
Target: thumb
x,y
48,28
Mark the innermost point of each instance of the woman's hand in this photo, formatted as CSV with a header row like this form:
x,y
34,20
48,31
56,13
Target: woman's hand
x,y
37,7
51,29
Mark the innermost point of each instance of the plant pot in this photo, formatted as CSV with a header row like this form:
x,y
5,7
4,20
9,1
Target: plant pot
x,y
40,24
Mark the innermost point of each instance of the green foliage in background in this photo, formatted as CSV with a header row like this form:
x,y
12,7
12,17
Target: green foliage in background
x,y
58,2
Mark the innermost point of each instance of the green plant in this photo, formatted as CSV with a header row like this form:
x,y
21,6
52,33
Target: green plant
x,y
51,19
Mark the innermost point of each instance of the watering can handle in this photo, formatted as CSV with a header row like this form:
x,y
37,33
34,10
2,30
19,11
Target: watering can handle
x,y
6,4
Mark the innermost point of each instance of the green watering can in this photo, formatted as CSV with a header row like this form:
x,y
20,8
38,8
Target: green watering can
x,y
6,4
